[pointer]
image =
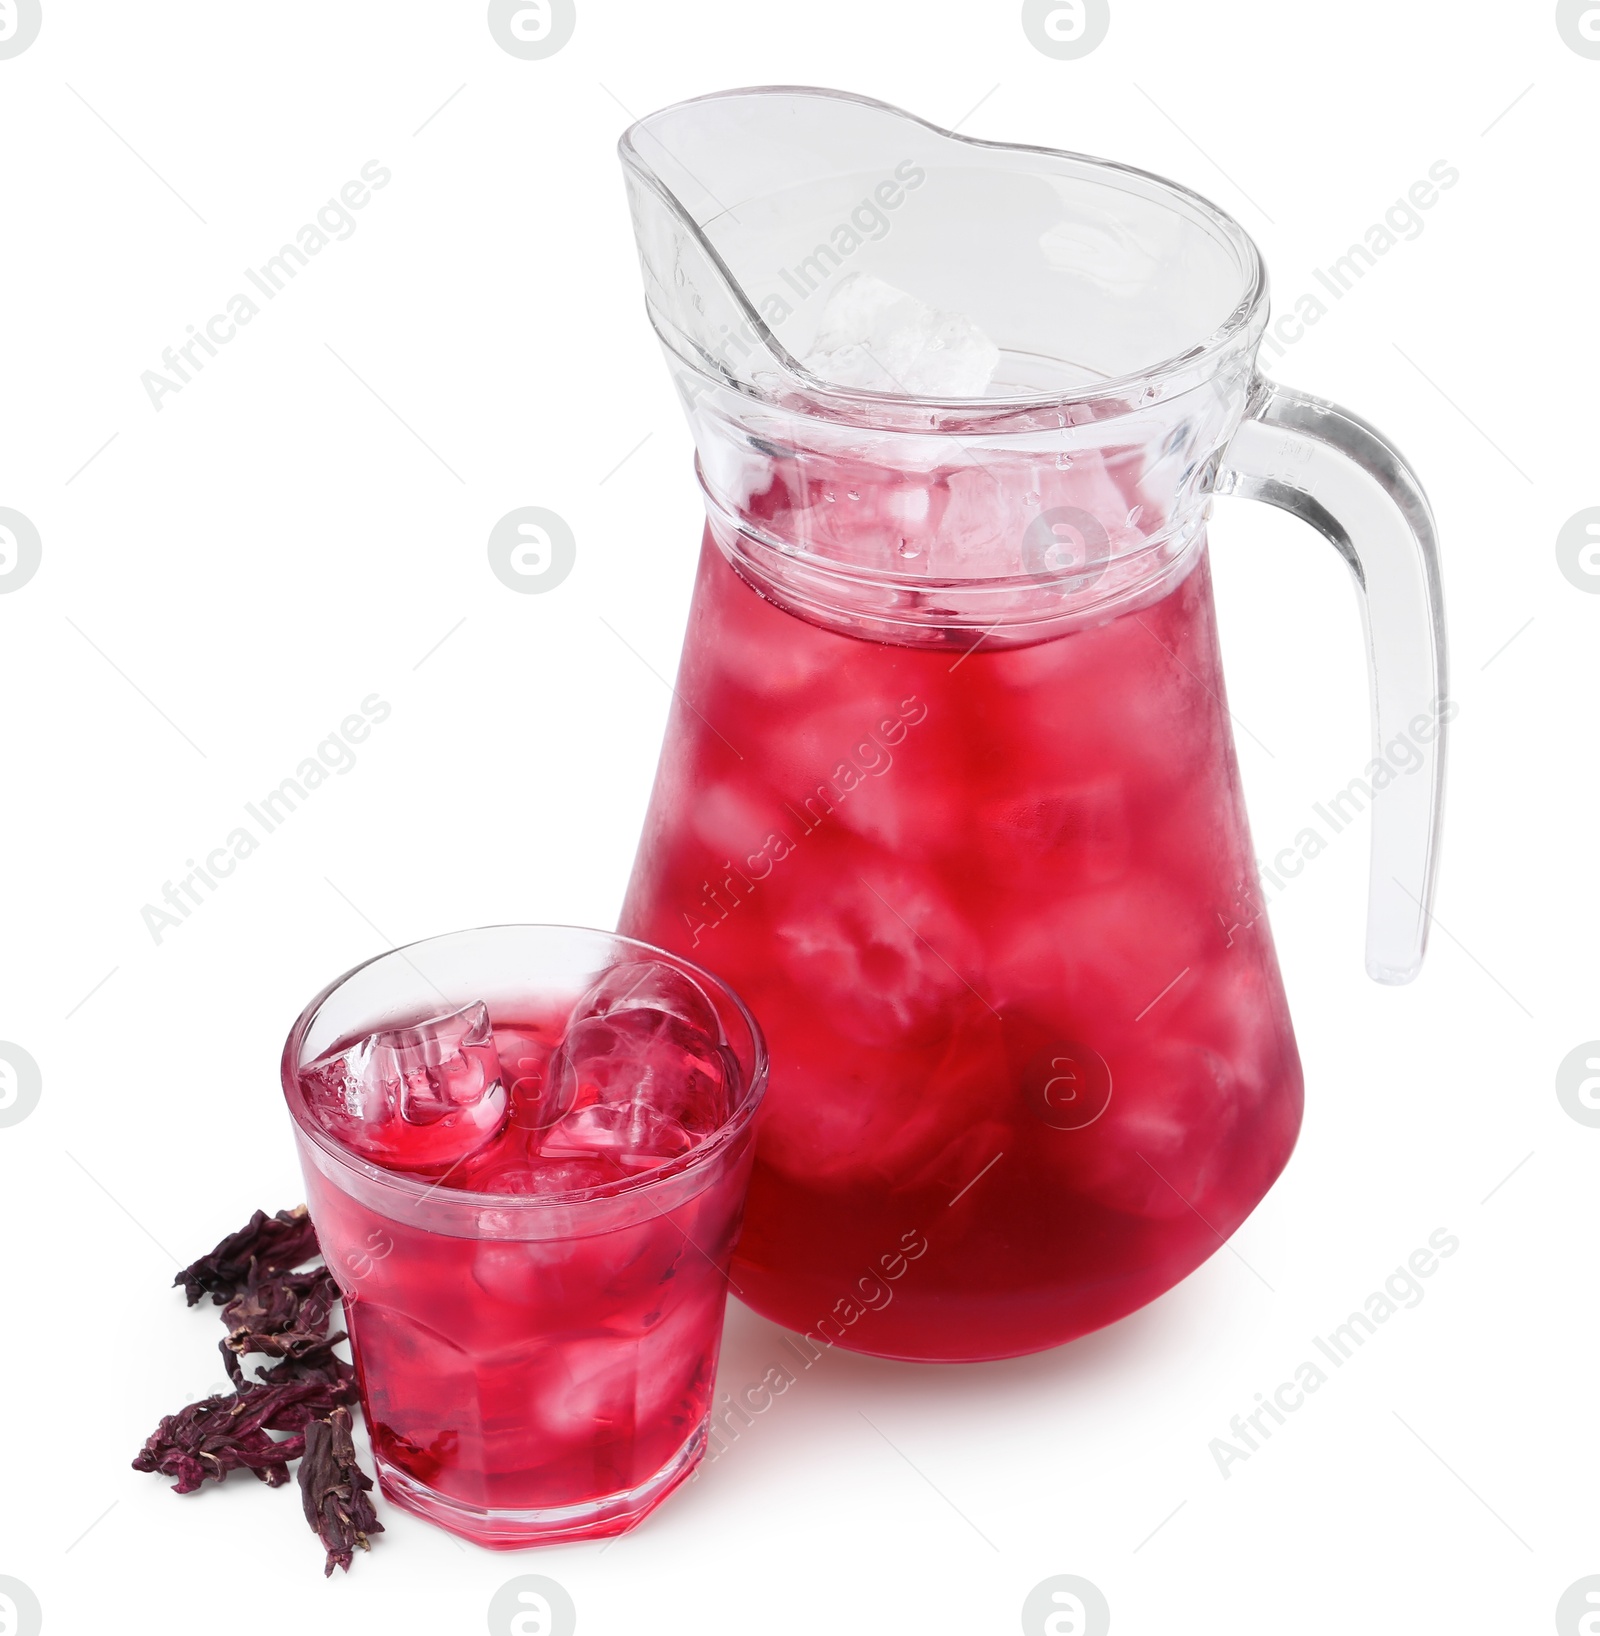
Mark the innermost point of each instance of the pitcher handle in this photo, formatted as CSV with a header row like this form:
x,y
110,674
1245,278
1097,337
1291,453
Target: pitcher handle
x,y
1332,470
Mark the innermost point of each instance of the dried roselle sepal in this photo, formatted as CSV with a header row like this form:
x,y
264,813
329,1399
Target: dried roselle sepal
x,y
213,1437
265,1244
217,1435
274,1303
318,1364
335,1491
287,1406
290,1347
282,1316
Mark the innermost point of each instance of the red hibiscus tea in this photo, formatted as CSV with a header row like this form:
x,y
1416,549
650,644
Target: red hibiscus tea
x,y
996,909
527,1150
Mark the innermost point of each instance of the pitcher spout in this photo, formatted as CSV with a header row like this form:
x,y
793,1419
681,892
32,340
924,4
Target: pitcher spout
x,y
804,241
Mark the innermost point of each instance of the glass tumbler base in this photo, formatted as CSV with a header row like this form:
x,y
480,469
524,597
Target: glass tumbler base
x,y
515,1530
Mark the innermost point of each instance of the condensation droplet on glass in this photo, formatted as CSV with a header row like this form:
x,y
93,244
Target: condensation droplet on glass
x,y
852,494
1063,461
908,548
827,495
1031,498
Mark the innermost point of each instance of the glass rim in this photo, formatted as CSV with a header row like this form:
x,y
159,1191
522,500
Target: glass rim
x,y
420,1188
859,407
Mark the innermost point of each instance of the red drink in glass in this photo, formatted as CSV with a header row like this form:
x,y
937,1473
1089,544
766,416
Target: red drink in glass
x,y
997,911
535,1337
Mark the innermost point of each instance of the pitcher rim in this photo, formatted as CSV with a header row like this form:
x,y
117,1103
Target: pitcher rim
x,y
1199,361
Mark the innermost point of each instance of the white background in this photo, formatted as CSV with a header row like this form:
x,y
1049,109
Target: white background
x,y
229,577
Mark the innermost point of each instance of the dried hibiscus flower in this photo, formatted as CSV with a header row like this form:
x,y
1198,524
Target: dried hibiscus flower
x,y
304,1395
318,1363
283,1316
222,1434
335,1491
265,1244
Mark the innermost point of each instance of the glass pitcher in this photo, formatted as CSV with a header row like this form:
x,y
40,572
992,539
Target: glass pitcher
x,y
949,791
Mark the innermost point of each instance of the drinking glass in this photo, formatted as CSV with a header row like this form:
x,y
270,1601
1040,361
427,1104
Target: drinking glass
x,y
531,1368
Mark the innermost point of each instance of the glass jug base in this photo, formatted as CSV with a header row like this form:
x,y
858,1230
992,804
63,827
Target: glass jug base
x,y
926,1303
933,1342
